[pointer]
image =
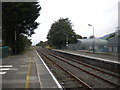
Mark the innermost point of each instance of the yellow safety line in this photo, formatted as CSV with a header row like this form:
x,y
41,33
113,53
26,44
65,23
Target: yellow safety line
x,y
28,76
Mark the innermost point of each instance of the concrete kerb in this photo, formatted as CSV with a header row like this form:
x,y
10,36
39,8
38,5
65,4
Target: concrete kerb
x,y
57,83
99,62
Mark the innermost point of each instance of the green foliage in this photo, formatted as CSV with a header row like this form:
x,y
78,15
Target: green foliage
x,y
24,42
111,35
59,32
84,38
92,36
19,17
42,44
78,36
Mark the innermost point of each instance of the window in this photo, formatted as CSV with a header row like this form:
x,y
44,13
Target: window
x,y
115,49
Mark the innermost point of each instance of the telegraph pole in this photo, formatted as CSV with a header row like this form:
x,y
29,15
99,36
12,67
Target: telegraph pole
x,y
15,39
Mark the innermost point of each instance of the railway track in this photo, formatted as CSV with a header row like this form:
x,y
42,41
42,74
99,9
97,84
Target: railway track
x,y
85,74
83,84
117,75
87,65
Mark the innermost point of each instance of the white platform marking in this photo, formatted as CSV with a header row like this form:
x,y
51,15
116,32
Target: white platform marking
x,y
4,69
6,66
2,73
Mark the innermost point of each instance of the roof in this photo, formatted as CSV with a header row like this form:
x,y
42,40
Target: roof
x,y
90,41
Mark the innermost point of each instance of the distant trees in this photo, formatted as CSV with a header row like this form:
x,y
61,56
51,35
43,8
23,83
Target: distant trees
x,y
92,36
59,32
18,19
84,38
111,35
42,44
78,36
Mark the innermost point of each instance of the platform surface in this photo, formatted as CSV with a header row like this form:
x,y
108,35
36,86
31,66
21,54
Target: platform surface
x,y
26,71
100,56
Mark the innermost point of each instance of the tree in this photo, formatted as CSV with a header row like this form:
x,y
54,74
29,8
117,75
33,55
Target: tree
x,y
111,35
18,18
24,42
42,44
84,38
92,36
59,32
78,36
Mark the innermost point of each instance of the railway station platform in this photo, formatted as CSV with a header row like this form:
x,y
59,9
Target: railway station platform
x,y
27,71
107,62
100,56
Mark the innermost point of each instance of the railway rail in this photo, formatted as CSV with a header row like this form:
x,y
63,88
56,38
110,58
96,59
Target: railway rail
x,y
90,66
87,75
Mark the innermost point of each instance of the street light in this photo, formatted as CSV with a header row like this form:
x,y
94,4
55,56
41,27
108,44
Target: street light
x,y
15,41
93,37
66,39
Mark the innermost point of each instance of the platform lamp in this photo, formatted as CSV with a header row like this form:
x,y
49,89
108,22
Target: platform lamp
x,y
93,37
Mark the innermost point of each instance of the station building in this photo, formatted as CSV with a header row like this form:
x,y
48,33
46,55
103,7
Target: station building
x,y
88,44
114,43
100,45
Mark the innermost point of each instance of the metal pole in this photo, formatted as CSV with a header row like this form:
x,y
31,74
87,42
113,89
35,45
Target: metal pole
x,y
93,38
15,35
67,40
15,39
93,41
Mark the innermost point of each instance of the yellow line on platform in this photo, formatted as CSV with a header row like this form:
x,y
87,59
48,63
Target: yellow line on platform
x,y
28,75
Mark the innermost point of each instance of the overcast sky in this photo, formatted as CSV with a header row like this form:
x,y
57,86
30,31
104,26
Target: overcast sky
x,y
102,14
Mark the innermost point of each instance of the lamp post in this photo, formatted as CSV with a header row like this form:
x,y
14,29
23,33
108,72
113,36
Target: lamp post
x,y
93,37
66,39
15,40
